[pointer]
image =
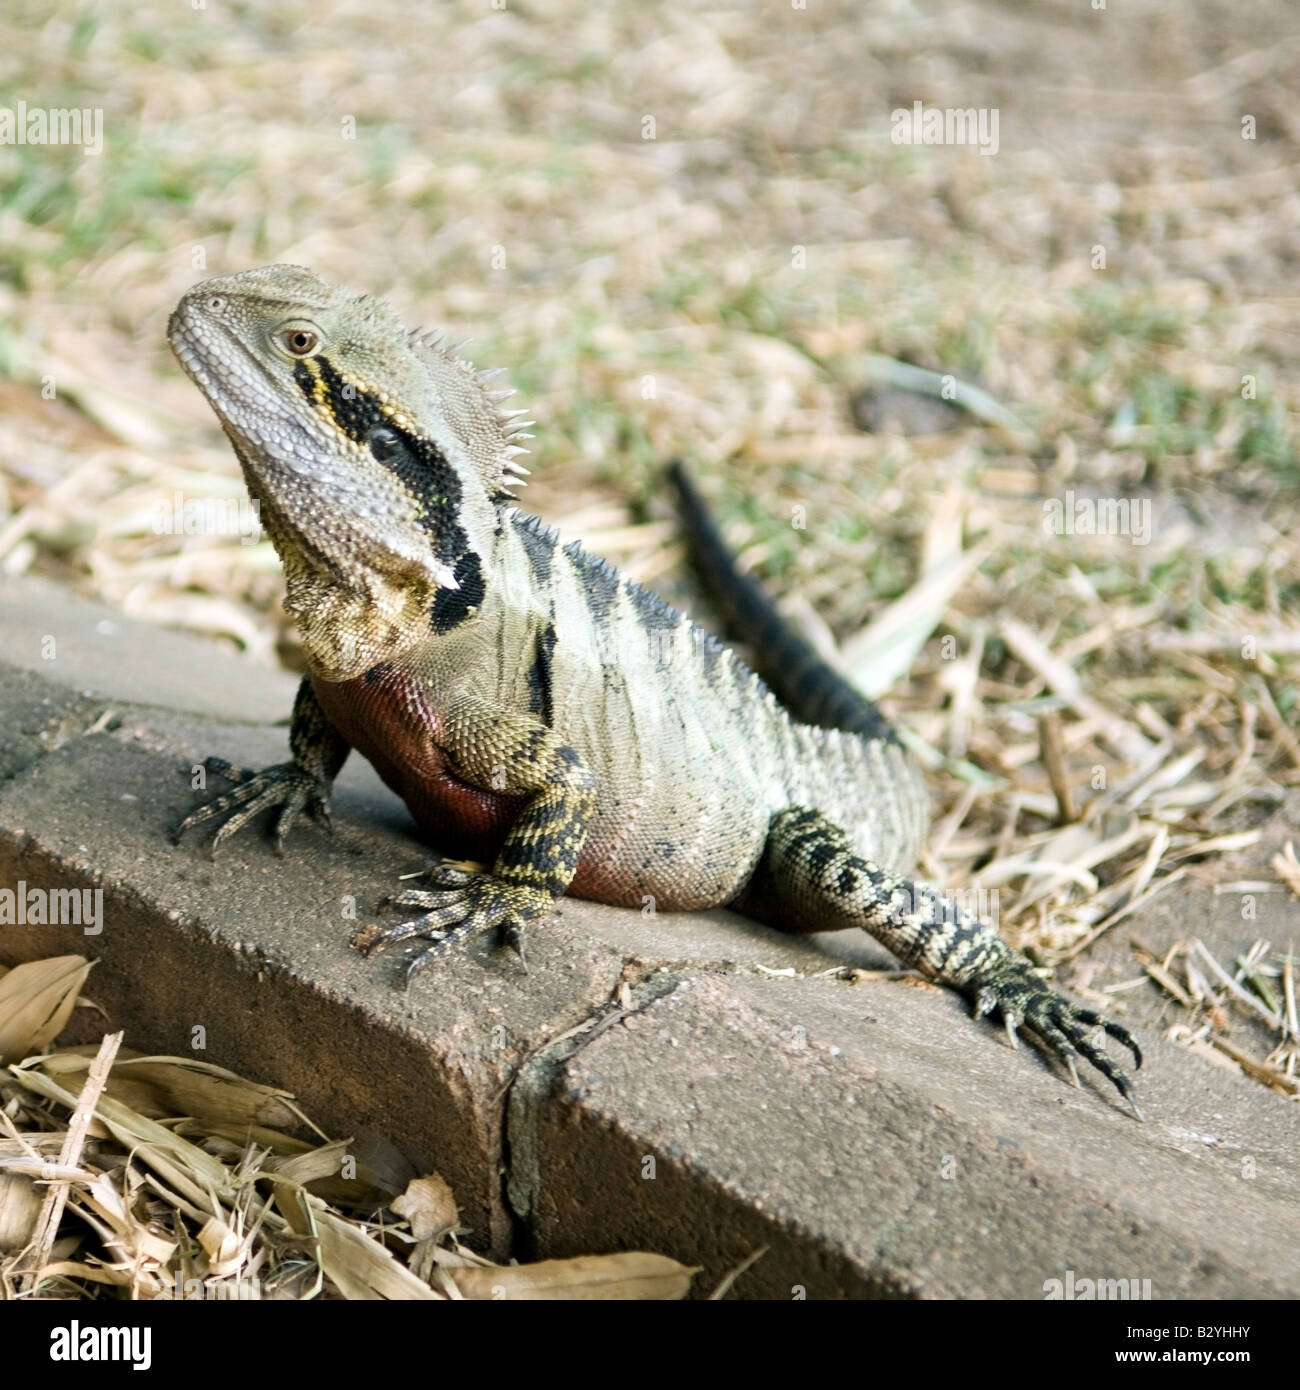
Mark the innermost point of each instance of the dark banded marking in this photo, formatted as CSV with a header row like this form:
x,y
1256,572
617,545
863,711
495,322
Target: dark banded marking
x,y
801,679
451,607
417,463
539,543
653,613
539,676
598,579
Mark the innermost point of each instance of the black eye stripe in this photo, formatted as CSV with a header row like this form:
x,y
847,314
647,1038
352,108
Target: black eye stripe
x,y
418,464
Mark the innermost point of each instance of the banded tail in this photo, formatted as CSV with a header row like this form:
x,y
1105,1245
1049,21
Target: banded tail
x,y
800,677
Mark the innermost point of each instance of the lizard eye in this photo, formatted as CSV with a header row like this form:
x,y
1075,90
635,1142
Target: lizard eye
x,y
299,341
384,443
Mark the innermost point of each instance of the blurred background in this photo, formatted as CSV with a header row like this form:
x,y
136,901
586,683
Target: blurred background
x,y
688,231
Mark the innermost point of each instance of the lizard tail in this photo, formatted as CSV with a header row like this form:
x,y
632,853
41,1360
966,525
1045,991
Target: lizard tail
x,y
802,680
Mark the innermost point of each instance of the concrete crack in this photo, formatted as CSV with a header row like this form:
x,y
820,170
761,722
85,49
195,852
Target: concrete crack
x,y
532,1084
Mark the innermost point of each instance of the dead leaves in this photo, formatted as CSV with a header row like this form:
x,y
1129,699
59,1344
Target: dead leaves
x,y
188,1181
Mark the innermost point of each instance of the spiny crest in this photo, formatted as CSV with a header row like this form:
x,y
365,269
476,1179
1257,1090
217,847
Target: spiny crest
x,y
475,410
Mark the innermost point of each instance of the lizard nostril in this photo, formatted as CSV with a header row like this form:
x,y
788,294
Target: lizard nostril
x,y
216,303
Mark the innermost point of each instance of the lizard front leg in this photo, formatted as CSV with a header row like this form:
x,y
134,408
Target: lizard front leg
x,y
811,878
516,755
304,783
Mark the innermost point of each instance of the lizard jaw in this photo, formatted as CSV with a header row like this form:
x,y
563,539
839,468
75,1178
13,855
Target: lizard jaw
x,y
298,461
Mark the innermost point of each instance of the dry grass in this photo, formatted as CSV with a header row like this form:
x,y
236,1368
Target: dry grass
x,y
1096,713
169,1178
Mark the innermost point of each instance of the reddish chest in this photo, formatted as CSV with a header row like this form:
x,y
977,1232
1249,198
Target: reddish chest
x,y
385,716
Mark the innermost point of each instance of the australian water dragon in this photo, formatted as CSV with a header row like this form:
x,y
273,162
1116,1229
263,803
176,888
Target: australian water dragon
x,y
534,709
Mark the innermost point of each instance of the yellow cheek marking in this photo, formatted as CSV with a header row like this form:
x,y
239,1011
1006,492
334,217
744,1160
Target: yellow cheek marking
x,y
321,398
319,394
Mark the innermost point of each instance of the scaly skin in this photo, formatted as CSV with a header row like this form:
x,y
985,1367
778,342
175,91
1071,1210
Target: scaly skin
x,y
535,709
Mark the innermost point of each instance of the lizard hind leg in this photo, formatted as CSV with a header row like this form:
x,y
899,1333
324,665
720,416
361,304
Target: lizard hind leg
x,y
811,879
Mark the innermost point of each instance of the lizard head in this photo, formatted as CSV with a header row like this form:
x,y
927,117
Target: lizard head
x,y
377,456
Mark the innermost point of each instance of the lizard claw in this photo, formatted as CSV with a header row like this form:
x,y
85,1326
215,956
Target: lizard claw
x,y
513,936
287,785
468,903
1024,999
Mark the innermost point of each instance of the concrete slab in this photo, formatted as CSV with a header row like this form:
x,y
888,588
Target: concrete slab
x,y
85,646
879,1145
872,1137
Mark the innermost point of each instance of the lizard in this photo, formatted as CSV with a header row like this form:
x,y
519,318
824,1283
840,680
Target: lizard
x,y
537,711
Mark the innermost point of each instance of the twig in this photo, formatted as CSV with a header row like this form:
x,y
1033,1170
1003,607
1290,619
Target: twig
x,y
1063,680
1052,746
56,1196
1232,986
729,1279
1166,981
1158,886
1279,1081
1277,725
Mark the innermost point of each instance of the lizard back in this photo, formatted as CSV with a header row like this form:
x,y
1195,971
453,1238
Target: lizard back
x,y
691,751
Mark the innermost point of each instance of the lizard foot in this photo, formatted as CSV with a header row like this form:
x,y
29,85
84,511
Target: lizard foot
x,y
464,903
287,785
1024,999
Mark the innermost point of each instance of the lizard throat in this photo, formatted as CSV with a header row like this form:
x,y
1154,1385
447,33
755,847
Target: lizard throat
x,y
423,472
